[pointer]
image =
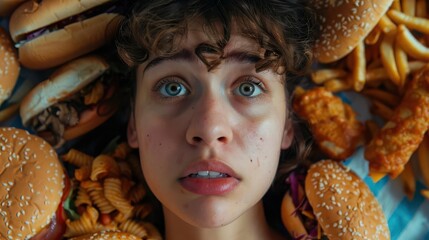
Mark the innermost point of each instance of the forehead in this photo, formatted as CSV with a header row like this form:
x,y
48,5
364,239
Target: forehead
x,y
196,35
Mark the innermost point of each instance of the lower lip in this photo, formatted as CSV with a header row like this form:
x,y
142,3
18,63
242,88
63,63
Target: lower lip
x,y
209,186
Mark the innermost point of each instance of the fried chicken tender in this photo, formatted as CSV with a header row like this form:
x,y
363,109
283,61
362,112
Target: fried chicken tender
x,y
333,123
393,145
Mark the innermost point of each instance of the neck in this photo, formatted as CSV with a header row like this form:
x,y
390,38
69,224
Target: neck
x,y
251,225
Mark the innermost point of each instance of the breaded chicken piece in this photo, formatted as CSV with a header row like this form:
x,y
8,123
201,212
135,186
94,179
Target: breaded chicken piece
x,y
333,123
393,145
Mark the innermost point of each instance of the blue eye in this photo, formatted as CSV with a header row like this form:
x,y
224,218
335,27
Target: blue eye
x,y
172,89
249,88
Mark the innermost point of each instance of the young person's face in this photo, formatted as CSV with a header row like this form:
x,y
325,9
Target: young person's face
x,y
230,121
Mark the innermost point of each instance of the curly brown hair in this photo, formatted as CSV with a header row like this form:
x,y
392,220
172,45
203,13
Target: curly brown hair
x,y
285,29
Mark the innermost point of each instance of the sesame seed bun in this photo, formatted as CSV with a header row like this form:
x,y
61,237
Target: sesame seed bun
x,y
7,6
63,83
343,204
32,183
31,16
343,24
67,40
107,235
9,66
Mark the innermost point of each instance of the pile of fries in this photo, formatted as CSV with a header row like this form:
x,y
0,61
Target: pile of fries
x,y
380,68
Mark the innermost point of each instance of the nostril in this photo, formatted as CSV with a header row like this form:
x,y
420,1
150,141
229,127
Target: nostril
x,y
197,139
222,139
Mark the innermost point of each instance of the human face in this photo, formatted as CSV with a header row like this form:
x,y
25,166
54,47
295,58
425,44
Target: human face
x,y
188,120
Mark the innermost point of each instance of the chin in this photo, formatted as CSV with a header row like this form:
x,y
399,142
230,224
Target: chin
x,y
211,212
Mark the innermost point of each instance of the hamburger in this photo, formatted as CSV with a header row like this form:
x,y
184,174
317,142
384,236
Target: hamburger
x,y
7,6
33,188
107,235
9,66
343,24
72,101
49,33
329,200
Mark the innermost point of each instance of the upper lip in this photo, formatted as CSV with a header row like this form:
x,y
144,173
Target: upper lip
x,y
209,165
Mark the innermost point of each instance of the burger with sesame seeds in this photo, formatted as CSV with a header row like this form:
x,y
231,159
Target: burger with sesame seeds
x,y
343,24
329,201
9,66
33,187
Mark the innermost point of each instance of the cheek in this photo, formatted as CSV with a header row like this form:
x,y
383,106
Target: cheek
x,y
264,142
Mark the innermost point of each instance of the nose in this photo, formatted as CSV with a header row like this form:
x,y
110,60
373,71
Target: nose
x,y
210,122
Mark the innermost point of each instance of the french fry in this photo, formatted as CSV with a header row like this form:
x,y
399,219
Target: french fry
x,y
322,75
415,23
337,85
386,25
425,193
421,7
385,97
410,44
423,159
408,180
402,65
380,109
396,5
388,58
376,74
409,7
373,36
359,68
416,65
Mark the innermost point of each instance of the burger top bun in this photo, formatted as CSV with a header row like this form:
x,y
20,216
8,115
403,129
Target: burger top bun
x,y
9,66
107,235
7,6
343,204
31,15
64,82
32,183
343,24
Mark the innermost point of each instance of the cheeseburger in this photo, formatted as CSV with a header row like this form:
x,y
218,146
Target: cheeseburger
x,y
49,33
329,200
33,188
72,101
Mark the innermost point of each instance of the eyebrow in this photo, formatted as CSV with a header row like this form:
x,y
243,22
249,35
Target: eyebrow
x,y
187,55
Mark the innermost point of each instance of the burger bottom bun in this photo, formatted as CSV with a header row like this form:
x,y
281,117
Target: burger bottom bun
x,y
61,46
343,204
9,66
291,221
33,183
106,235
